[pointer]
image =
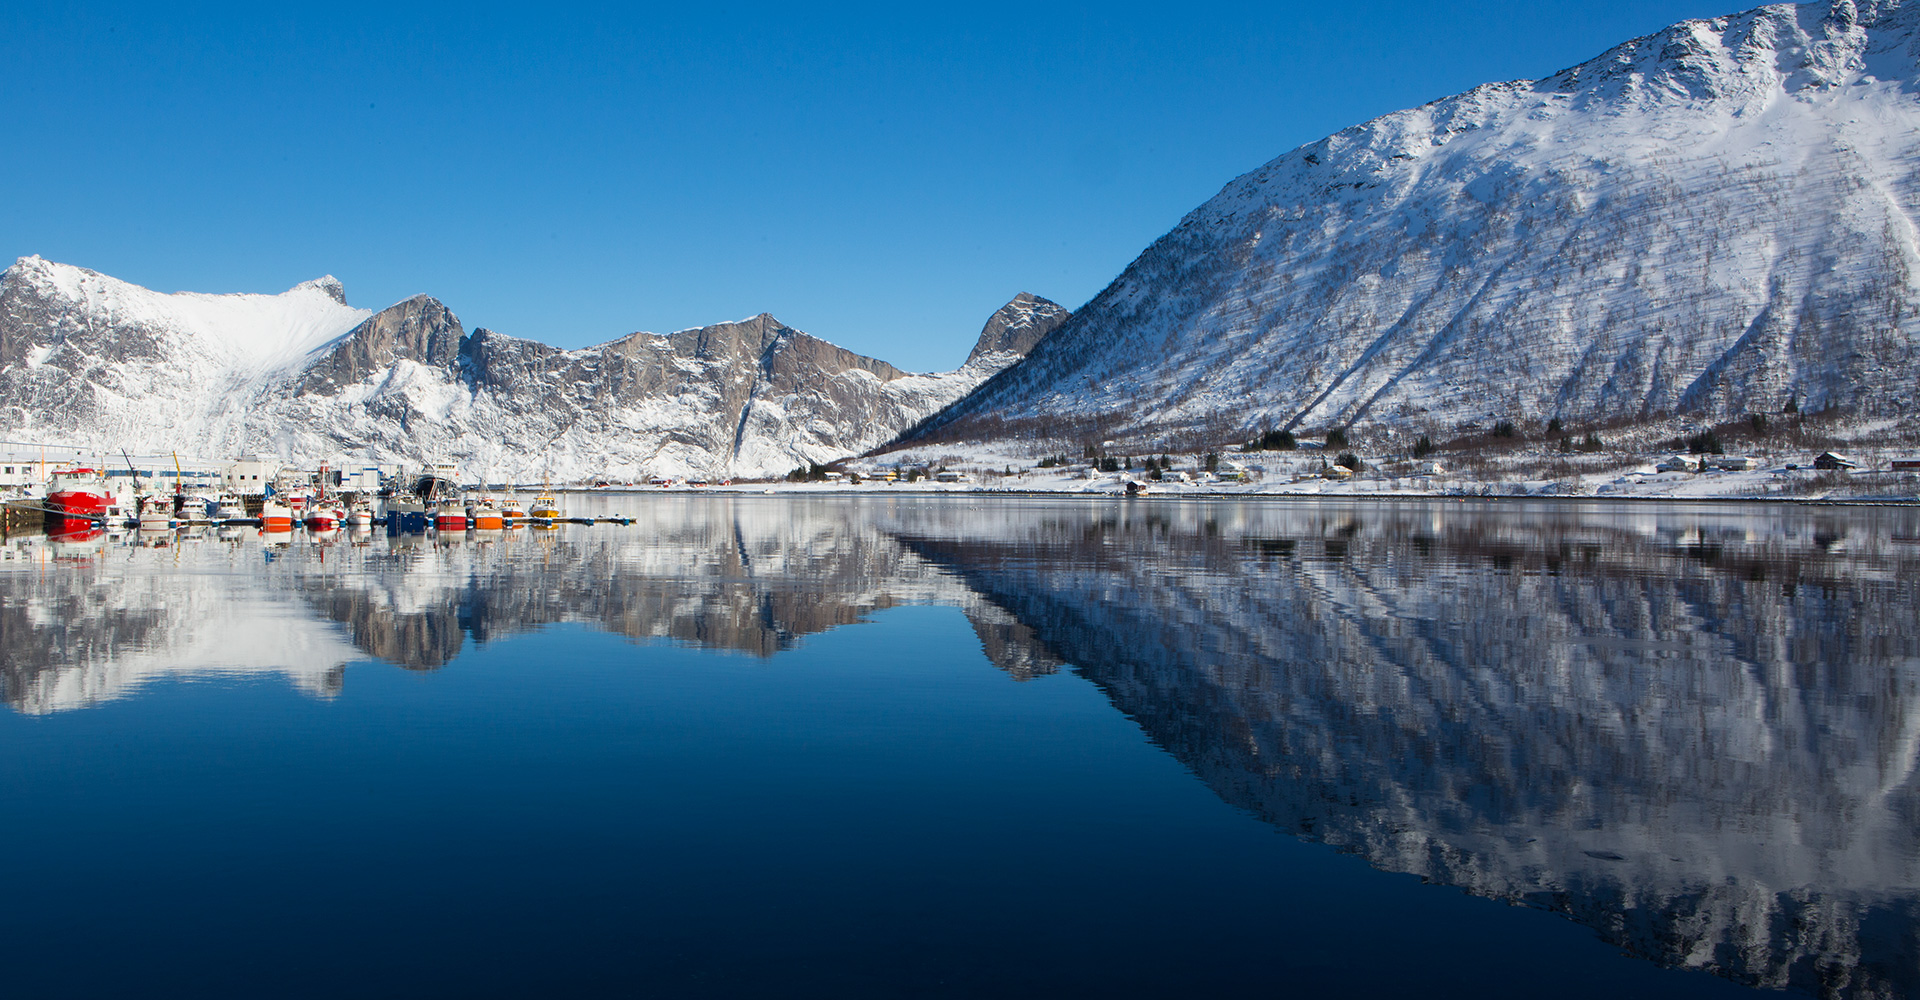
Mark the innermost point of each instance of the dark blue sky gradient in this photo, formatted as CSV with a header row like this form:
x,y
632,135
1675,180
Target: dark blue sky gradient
x,y
882,177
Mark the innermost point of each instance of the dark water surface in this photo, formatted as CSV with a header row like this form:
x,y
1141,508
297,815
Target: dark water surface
x,y
773,746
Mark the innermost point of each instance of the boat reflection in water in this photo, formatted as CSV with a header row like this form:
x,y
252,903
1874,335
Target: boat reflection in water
x,y
1692,729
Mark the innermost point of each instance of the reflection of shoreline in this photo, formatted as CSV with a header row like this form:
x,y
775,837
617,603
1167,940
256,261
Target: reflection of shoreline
x,y
1320,491
1674,725
1724,781
751,581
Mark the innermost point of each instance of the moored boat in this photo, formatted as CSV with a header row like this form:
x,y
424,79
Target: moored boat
x,y
276,515
451,517
227,507
324,515
77,499
485,515
544,508
360,515
406,515
437,482
194,508
156,512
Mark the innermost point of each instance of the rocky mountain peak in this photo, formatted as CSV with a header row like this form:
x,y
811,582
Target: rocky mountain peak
x,y
1018,326
327,285
419,329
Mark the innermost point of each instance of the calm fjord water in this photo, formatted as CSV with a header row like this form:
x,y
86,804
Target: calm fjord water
x,y
957,747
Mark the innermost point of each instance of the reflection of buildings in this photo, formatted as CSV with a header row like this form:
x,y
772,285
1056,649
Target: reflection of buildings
x,y
1676,726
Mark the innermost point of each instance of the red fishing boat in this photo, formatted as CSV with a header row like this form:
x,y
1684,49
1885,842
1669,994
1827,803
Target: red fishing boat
x,y
324,516
452,517
77,499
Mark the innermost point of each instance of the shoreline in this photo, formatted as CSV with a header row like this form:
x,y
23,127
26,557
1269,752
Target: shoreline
x,y
793,489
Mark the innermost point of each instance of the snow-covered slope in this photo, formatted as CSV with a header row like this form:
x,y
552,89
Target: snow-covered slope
x,y
89,359
1715,218
80,351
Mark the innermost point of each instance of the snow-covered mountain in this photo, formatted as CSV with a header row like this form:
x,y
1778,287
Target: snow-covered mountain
x,y
1714,219
90,359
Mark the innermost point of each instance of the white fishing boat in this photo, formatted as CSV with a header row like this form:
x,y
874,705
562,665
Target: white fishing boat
x,y
227,507
195,508
156,512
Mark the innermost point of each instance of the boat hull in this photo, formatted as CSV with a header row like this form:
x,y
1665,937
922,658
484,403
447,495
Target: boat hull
x,y
325,518
75,510
276,517
406,522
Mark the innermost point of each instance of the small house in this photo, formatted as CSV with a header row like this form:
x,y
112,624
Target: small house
x,y
1730,463
1832,462
1906,465
947,476
1676,463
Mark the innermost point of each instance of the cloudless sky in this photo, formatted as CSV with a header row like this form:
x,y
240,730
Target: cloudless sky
x,y
883,177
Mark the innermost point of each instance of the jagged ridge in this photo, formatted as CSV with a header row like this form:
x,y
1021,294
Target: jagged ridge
x,y
301,375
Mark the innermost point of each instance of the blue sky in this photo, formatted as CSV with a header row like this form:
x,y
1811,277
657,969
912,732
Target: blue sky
x,y
883,177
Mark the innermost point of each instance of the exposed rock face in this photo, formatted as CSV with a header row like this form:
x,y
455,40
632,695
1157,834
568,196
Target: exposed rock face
x,y
1018,326
89,360
752,397
419,329
1713,219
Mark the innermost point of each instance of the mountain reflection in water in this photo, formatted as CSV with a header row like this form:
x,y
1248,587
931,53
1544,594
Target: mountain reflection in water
x,y
1693,729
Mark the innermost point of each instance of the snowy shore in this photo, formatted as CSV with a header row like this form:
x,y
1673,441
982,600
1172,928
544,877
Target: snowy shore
x,y
1777,484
